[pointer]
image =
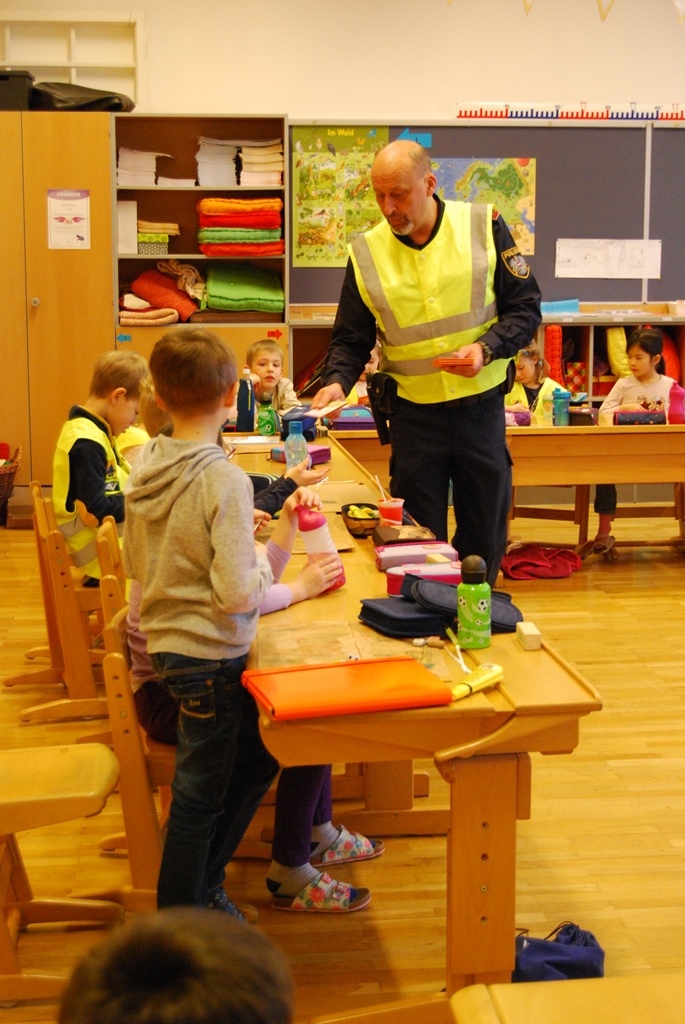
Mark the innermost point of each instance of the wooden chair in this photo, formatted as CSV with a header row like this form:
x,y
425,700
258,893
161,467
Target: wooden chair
x,y
109,552
145,766
40,787
69,608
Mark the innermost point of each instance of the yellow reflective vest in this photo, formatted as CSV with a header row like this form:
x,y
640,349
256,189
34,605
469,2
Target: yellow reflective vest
x,y
432,301
79,536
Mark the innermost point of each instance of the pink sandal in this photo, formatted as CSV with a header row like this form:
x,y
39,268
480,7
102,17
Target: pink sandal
x,y
325,896
349,846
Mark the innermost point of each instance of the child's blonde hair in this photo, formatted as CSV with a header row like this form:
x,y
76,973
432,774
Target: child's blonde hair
x,y
118,369
263,345
192,370
155,419
542,367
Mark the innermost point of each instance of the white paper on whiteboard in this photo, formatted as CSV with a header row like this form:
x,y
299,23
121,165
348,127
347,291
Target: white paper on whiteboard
x,y
608,257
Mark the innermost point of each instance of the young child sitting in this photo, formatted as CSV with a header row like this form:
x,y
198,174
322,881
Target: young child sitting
x,y
646,390
87,466
189,542
359,395
532,384
265,361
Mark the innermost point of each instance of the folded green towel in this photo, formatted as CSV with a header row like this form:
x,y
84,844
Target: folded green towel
x,y
244,286
238,234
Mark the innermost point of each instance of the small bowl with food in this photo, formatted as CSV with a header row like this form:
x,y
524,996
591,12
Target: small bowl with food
x,y
361,518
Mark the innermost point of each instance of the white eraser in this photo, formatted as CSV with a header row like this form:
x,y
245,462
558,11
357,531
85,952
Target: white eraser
x,y
529,636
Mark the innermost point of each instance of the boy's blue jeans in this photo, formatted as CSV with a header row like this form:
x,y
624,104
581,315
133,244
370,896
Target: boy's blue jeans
x,y
222,772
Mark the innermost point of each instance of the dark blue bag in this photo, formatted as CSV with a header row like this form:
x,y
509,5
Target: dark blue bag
x,y
567,952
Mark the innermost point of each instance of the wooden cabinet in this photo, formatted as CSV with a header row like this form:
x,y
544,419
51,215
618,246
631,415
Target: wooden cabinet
x,y
585,337
58,301
178,136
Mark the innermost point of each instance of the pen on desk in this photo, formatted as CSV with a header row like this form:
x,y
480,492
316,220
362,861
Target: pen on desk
x,y
480,679
458,656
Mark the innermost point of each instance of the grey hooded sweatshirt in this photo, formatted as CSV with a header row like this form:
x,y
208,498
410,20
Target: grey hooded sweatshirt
x,y
188,539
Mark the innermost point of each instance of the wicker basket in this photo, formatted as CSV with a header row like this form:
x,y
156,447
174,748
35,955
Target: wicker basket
x,y
7,475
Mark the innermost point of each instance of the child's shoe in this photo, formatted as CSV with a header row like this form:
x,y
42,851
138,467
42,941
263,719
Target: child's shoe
x,y
324,896
603,544
347,847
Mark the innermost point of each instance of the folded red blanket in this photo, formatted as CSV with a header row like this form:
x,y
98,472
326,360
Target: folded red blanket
x,y
243,248
162,293
249,219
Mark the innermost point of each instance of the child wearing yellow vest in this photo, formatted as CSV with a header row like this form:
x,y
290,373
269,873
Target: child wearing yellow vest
x,y
87,467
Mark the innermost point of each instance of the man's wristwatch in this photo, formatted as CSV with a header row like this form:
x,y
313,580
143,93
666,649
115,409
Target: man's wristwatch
x,y
488,354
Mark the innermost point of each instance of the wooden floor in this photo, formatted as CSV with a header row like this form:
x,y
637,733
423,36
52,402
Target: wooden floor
x,y
605,846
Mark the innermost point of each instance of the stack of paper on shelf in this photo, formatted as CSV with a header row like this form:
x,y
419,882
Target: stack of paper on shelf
x,y
261,163
216,162
137,168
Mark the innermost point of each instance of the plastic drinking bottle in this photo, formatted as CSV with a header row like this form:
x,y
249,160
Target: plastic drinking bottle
x,y
246,405
561,401
676,404
473,604
267,417
295,445
317,539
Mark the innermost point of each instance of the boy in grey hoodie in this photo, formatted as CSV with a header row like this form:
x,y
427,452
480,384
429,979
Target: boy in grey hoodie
x,y
188,539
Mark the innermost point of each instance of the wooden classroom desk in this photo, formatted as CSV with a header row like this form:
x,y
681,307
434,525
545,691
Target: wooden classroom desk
x,y
364,446
573,456
480,746
327,629
628,999
548,456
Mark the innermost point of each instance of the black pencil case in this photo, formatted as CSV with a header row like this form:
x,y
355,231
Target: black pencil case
x,y
397,617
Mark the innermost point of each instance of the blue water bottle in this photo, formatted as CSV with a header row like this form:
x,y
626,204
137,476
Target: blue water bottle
x,y
295,445
245,404
561,399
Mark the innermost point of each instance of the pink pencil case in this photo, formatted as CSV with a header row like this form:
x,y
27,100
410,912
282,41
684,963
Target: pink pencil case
x,y
443,572
416,553
317,453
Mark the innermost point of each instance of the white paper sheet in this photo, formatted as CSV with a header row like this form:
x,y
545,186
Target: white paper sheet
x,y
608,258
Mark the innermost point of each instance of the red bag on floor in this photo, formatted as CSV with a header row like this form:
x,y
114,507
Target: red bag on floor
x,y
532,561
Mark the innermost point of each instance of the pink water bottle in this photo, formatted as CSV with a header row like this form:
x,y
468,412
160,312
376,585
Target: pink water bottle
x,y
317,539
676,404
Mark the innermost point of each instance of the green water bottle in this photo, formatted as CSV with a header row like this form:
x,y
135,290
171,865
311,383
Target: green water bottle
x,y
473,604
267,417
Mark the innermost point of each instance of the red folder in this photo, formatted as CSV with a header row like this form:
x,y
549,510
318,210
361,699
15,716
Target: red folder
x,y
345,688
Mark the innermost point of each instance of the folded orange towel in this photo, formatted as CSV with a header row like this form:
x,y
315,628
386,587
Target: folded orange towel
x,y
218,204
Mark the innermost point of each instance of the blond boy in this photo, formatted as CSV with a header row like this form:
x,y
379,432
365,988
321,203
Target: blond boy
x,y
87,467
189,543
265,361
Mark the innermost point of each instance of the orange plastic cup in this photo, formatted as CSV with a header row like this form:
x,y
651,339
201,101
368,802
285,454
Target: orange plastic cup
x,y
391,510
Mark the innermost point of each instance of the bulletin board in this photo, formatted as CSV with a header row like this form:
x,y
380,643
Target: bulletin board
x,y
590,183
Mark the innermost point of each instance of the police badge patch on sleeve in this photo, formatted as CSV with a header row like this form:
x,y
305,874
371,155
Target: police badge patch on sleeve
x,y
515,263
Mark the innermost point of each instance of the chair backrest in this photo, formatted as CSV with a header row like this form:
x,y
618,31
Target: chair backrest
x,y
109,551
41,528
144,764
112,596
67,604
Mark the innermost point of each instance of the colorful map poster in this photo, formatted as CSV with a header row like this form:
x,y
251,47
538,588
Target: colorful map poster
x,y
331,186
507,182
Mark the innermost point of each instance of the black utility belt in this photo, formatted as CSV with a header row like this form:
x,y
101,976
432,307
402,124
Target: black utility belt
x,y
457,403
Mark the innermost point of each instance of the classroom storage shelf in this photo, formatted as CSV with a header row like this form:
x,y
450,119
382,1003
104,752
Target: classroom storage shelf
x,y
177,137
585,340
